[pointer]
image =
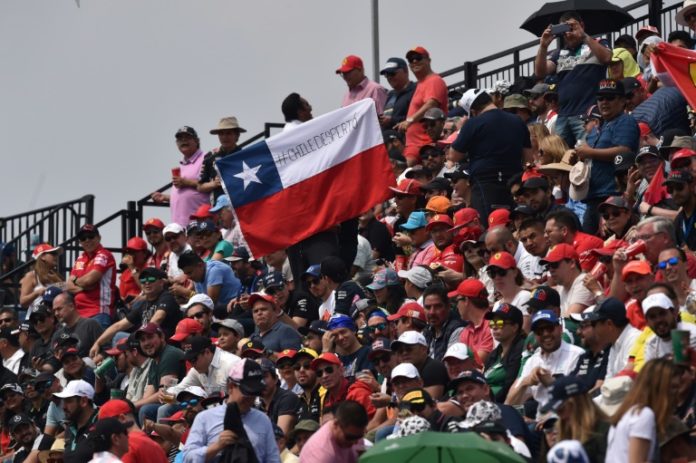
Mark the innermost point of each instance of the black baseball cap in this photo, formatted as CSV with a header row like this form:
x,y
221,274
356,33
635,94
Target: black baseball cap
x,y
438,183
457,174
535,183
623,162
507,312
418,171
153,272
611,87
392,65
467,375
630,84
273,279
195,346
19,420
682,176
87,229
609,309
562,389
544,297
186,130
316,326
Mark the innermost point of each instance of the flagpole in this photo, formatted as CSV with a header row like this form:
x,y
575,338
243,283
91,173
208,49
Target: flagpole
x,y
375,39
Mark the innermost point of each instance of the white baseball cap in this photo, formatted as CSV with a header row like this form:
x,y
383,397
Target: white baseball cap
x,y
656,300
411,338
199,299
460,351
193,390
418,275
173,228
407,370
469,97
76,388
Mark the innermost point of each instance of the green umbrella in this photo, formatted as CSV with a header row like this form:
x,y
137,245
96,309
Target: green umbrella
x,y
440,447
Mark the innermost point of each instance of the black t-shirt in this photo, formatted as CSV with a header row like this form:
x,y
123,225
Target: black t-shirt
x,y
301,304
284,403
208,172
143,311
494,141
356,362
86,330
380,239
346,294
434,373
309,410
592,366
399,102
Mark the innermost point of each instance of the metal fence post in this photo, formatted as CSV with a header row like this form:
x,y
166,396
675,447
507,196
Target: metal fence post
x,y
132,219
470,74
655,13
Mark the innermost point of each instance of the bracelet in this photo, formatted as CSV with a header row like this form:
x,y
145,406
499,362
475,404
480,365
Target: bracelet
x,y
649,213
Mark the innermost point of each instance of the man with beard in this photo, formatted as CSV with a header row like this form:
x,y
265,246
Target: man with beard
x,y
44,323
153,232
592,365
298,307
411,347
662,318
440,229
310,400
680,185
537,194
444,326
158,306
175,235
167,363
208,437
279,404
78,407
553,357
24,433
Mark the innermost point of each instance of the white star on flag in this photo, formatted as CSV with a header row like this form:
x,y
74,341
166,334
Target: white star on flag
x,y
248,174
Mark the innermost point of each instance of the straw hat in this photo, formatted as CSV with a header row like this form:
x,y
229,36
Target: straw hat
x,y
687,7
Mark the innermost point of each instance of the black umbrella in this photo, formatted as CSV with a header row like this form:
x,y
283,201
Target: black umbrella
x,y
599,16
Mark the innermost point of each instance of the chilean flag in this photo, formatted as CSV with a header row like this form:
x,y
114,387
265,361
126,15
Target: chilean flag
x,y
306,180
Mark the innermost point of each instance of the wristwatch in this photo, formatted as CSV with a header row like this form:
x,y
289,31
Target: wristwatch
x,y
409,120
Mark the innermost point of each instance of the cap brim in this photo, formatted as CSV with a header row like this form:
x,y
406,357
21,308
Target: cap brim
x,y
178,337
393,317
113,351
252,387
550,406
374,353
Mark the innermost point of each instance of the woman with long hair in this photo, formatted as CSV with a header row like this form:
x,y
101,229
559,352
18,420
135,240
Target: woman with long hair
x,y
618,217
642,418
508,281
551,150
503,363
44,274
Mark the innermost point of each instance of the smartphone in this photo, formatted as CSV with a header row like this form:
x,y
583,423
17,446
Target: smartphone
x,y
560,29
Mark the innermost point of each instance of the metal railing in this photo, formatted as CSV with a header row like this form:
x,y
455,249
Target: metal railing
x,y
518,61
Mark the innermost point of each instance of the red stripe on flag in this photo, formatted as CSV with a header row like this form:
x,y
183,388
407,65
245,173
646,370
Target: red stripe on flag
x,y
340,193
656,191
680,64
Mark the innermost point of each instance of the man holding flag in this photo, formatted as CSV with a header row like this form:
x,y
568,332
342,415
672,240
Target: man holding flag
x,y
306,181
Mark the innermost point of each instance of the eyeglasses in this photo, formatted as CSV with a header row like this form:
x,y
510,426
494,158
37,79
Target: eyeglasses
x,y
305,365
496,272
87,236
322,371
189,403
607,97
672,187
274,289
144,280
672,261
378,327
614,213
415,59
197,315
497,323
169,238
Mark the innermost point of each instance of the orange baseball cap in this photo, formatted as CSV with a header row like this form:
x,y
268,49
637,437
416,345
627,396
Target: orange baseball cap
x,y
498,217
503,260
640,267
438,204
559,252
419,50
349,63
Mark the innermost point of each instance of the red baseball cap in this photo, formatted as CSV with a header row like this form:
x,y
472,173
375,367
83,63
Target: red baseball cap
x,y
328,357
411,310
185,328
407,186
113,408
114,351
682,158
255,297
471,287
286,354
530,173
46,248
437,219
349,63
502,260
559,252
202,213
136,244
178,416
498,217
419,50
644,129
465,215
153,222
640,267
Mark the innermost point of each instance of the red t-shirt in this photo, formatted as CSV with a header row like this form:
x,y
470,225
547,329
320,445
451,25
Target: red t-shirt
x,y
101,297
478,338
143,449
432,87
448,258
128,285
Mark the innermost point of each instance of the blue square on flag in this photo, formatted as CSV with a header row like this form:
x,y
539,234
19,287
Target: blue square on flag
x,y
250,175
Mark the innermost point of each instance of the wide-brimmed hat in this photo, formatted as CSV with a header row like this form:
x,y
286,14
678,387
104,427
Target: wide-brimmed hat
x,y
687,7
227,123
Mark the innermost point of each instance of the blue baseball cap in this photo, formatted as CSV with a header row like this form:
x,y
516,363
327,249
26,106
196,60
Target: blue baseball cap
x,y
383,278
415,221
222,202
50,294
207,226
562,389
545,316
273,279
313,270
341,321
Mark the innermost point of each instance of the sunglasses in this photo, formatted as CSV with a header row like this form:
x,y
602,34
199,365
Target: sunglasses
x,y
305,365
496,272
169,238
321,372
197,315
188,403
274,289
672,187
415,59
607,98
380,327
313,282
615,213
382,359
87,236
497,323
37,319
152,231
148,280
672,261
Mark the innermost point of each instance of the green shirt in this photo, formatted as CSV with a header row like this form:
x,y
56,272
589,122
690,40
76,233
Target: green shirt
x,y
170,362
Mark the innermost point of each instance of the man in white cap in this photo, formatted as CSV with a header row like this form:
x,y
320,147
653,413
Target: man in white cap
x,y
411,347
175,236
416,279
77,403
208,437
662,317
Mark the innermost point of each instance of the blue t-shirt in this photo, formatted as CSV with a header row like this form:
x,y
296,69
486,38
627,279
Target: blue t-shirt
x,y
218,273
620,131
579,72
494,141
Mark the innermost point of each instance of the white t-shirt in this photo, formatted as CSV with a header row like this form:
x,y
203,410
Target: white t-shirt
x,y
621,350
527,263
328,307
656,347
577,294
632,424
520,301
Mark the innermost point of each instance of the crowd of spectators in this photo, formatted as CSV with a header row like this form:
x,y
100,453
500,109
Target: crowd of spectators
x,y
529,282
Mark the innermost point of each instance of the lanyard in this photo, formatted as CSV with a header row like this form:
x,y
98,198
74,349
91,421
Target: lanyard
x,y
688,226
